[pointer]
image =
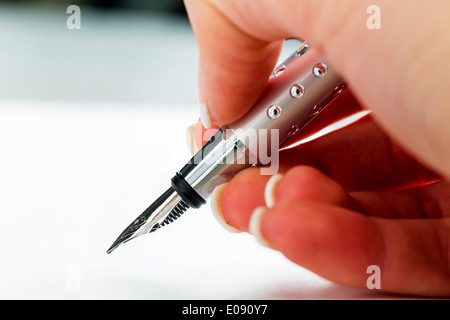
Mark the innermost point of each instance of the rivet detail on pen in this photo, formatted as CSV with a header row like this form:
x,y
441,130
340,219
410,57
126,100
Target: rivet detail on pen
x,y
315,110
278,71
297,91
320,70
302,50
274,112
338,90
292,131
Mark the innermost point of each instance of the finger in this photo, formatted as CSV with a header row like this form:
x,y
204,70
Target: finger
x,y
361,157
306,183
430,202
240,197
388,69
339,244
248,190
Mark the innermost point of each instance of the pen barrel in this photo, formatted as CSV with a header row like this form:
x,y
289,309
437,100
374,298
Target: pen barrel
x,y
298,90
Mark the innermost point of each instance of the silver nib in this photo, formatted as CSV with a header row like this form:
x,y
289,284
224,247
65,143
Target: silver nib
x,y
190,186
167,208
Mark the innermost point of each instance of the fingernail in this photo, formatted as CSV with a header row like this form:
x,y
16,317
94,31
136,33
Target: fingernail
x,y
216,208
270,190
190,139
205,116
255,225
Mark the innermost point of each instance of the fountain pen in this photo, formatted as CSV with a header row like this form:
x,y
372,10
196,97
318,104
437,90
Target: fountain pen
x,y
298,89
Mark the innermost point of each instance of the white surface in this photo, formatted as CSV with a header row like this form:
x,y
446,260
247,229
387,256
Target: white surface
x,y
73,176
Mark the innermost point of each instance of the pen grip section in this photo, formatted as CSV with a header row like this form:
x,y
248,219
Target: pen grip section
x,y
216,163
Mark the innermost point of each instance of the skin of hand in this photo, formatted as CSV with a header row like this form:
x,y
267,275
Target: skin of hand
x,y
356,197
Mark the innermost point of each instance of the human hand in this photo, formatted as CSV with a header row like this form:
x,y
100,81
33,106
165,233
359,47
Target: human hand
x,y
353,198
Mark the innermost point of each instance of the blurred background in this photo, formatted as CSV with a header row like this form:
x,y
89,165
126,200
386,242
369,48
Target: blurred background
x,y
126,51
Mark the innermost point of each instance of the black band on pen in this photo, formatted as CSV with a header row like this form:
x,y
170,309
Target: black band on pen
x,y
186,192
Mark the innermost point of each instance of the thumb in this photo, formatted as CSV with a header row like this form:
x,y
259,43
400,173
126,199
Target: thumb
x,y
399,71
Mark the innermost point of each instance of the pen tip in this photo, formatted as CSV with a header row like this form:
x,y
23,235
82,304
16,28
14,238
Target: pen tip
x,y
116,243
132,231
169,203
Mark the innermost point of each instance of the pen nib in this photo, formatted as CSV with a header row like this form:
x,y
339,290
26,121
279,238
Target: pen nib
x,y
132,231
167,208
116,243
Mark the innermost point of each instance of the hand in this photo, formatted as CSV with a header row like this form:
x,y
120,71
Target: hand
x,y
353,198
